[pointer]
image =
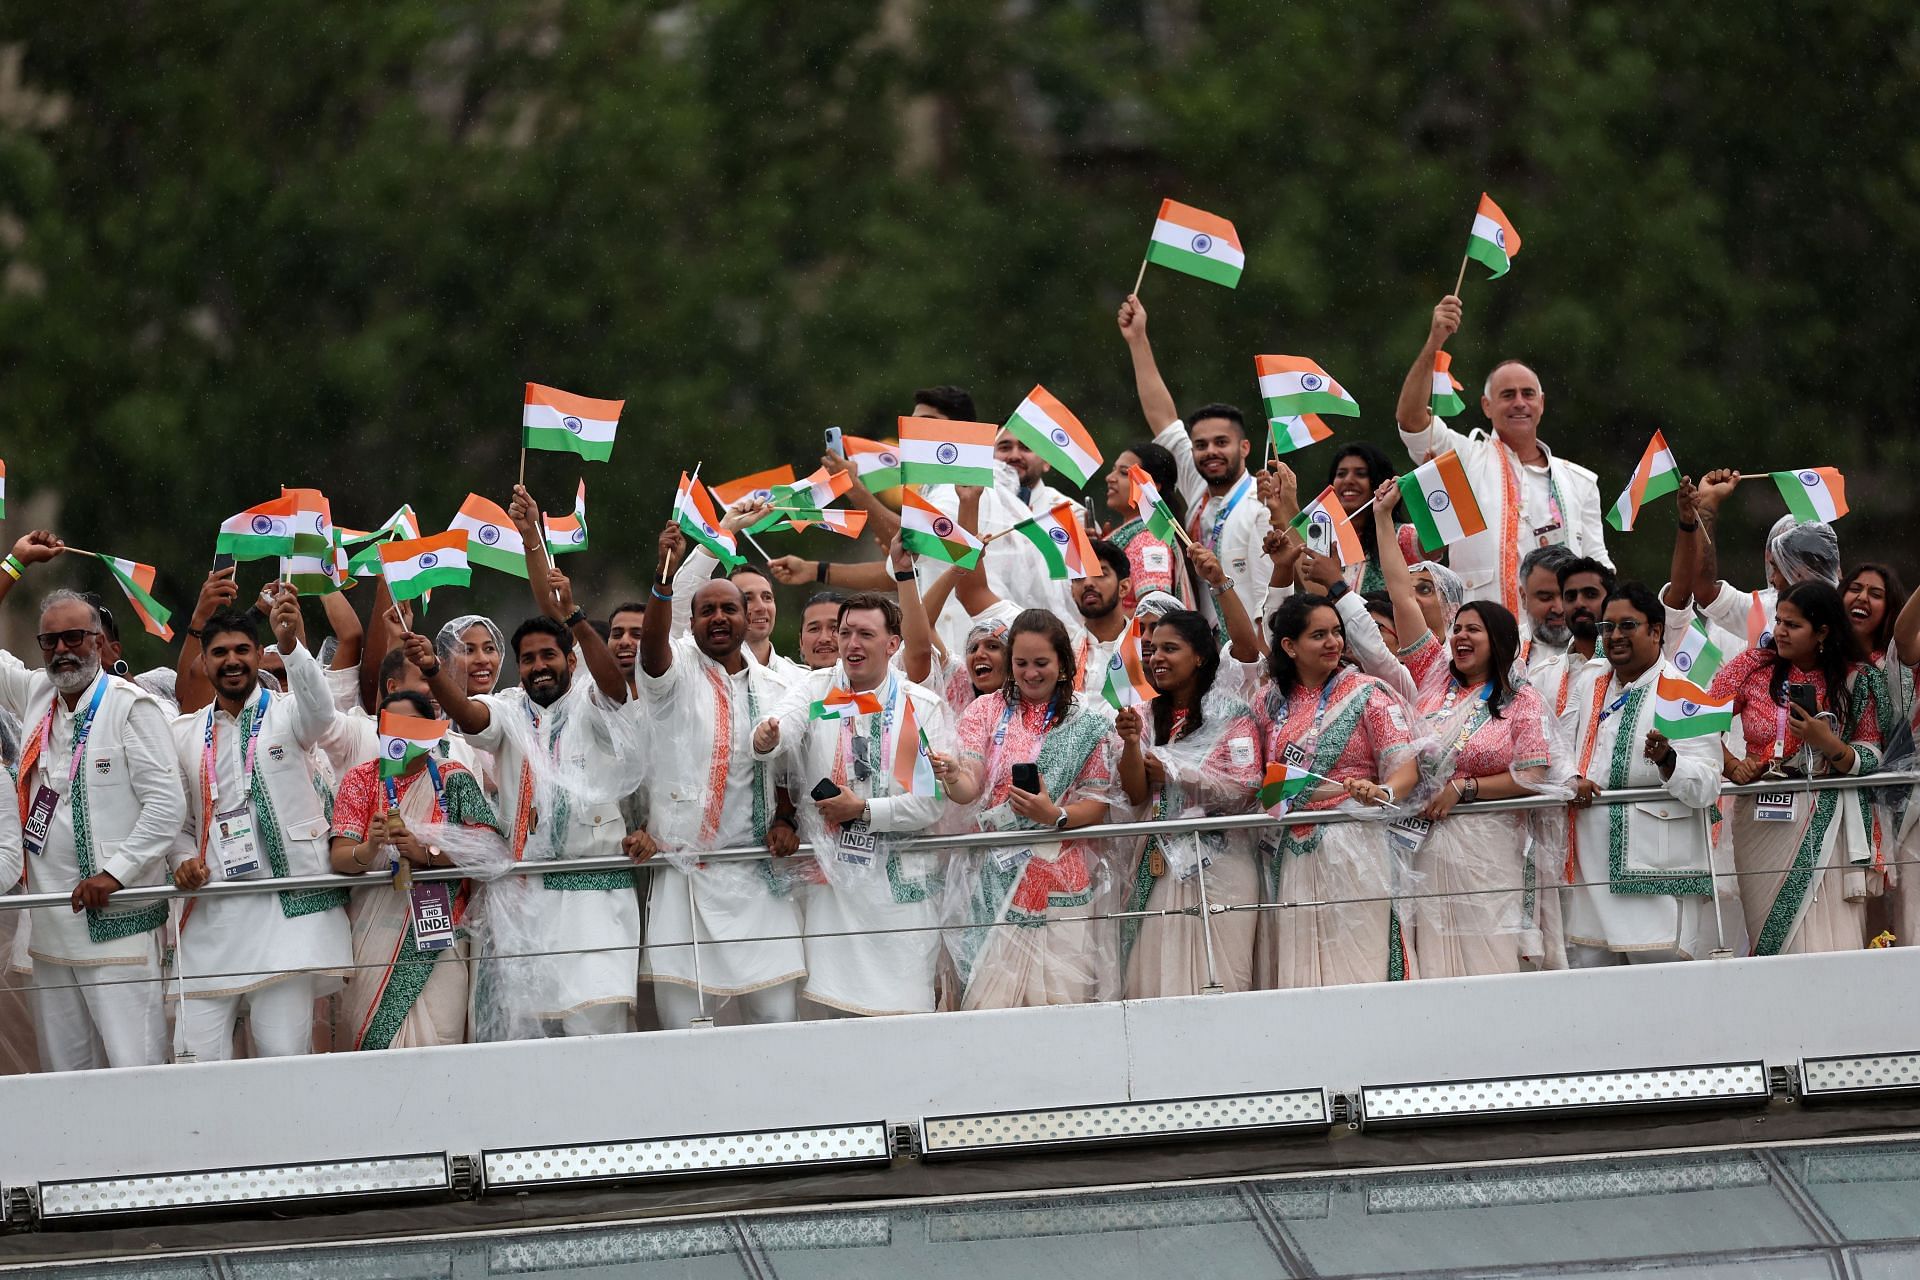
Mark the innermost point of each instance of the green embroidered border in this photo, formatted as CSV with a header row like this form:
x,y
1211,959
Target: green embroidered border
x,y
111,924
294,903
1785,911
412,969
1619,820
1396,947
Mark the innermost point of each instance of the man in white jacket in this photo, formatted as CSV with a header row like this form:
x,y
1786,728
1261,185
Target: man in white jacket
x,y
102,800
1530,497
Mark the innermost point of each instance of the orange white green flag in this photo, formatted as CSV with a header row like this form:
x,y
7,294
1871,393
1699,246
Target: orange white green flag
x,y
136,580
1658,474
493,542
1682,709
926,530
694,512
405,738
1127,684
1050,429
848,524
1446,401
413,568
561,422
1440,502
875,461
912,763
759,486
3,488
566,533
1152,506
1196,242
1061,540
1324,526
942,451
1297,432
1814,493
1493,242
1293,385
365,563
259,532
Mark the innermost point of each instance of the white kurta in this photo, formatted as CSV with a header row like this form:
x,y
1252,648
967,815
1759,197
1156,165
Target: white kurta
x,y
594,932
236,943
1016,571
743,915
1239,542
1557,677
1486,460
851,966
1613,906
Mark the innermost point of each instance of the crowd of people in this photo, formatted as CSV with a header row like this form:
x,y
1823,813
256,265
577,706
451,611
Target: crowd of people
x,y
1393,689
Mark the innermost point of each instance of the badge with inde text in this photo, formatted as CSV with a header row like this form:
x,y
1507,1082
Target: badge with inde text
x,y
232,842
39,821
856,843
1293,755
1773,806
1408,834
432,909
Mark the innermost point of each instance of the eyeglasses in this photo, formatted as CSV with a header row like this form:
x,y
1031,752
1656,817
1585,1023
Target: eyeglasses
x,y
1626,628
71,639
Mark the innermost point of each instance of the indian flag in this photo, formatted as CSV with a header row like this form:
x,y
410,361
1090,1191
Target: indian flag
x,y
1817,493
912,770
366,562
1446,400
1297,432
694,512
416,566
1657,474
1049,428
1698,657
567,533
840,702
1759,621
310,566
136,580
1294,385
260,532
928,531
1127,684
848,524
316,574
3,489
1440,502
759,486
561,422
1196,242
1153,508
1324,526
1061,540
940,451
876,462
404,739
1682,709
1493,242
492,540
1283,782
803,502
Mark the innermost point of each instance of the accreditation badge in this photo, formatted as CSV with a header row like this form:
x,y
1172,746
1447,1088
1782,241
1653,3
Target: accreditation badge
x,y
33,832
233,843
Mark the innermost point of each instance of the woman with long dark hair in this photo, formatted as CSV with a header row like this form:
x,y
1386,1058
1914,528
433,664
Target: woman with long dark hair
x,y
1481,905
1194,751
1013,948
1359,742
1357,471
1803,856
1154,565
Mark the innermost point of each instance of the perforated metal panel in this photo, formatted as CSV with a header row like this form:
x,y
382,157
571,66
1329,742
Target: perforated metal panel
x,y
1861,1074
681,1157
1721,1084
329,1180
1123,1122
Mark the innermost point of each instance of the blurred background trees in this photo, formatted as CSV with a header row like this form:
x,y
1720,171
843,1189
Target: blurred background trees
x,y
245,245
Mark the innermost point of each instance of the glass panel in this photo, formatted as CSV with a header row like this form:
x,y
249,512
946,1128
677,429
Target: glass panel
x,y
1559,1213
1869,1193
1886,1264
1099,1237
697,1251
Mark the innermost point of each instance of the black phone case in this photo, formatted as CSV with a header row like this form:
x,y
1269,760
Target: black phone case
x,y
825,789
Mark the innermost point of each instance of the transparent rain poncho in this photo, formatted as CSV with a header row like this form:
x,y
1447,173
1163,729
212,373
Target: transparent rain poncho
x,y
1018,932
1211,771
449,641
1807,552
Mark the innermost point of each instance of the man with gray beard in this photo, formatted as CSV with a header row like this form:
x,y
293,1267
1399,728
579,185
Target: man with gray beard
x,y
1543,624
101,804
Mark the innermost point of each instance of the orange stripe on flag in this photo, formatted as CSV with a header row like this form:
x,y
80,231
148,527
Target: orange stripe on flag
x,y
1200,220
451,540
1466,507
734,490
396,725
1488,209
979,433
578,406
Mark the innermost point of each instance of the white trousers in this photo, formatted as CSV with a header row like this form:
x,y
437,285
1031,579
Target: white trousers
x,y
597,1020
279,1019
1582,956
92,1016
678,1005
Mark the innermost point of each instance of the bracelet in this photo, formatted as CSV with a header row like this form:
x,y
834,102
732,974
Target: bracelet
x,y
906,576
578,616
658,594
1388,792
196,632
13,566
1685,527
820,571
1473,793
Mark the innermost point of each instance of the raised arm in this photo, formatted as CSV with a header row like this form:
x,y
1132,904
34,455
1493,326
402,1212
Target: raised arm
x,y
347,631
1715,488
1906,631
383,633
1242,632
916,627
1414,410
1156,402
190,687
469,715
1409,624
1686,535
593,650
525,514
312,699
882,523
656,627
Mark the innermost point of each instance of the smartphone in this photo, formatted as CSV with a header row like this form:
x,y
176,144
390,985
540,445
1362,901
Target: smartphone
x,y
834,446
1027,778
1802,695
825,789
222,560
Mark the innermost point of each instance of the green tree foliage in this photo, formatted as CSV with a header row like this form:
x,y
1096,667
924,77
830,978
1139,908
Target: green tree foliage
x,y
247,245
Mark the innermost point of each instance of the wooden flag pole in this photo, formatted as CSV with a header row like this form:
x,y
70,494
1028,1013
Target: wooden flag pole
x,y
1139,278
523,465
1465,258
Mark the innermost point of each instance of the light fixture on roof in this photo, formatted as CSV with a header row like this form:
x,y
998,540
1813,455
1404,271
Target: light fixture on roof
x,y
1859,1075
1583,1093
848,1144
268,1184
1123,1122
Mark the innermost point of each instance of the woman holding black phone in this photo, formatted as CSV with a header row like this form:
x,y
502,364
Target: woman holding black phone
x,y
1810,706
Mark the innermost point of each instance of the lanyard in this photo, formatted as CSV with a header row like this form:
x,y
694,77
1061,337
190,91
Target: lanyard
x,y
1599,718
433,774
80,731
876,734
210,760
1227,505
1000,733
1467,727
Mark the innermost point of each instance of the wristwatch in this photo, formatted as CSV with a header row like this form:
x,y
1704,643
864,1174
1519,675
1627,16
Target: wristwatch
x,y
578,616
866,813
1336,590
1060,823
904,575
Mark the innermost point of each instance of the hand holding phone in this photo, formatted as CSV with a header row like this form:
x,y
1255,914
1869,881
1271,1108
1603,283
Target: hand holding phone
x,y
1026,777
834,444
825,789
1802,695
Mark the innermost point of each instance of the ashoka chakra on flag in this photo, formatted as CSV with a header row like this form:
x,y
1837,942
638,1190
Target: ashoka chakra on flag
x,y
1438,500
942,527
1310,382
396,748
947,452
489,533
1202,243
572,424
429,559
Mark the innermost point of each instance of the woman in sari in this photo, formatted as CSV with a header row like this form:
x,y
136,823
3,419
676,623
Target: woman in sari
x,y
404,996
1194,751
1023,939
1357,471
1356,737
1803,856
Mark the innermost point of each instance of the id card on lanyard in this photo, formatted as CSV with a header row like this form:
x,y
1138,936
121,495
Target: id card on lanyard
x,y
38,820
230,834
1232,500
429,904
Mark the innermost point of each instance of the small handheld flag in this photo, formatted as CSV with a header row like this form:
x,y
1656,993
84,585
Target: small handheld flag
x,y
561,422
3,489
1195,242
1061,540
1324,526
1283,782
413,568
940,451
1815,493
567,533
1657,475
694,512
926,530
365,563
1152,506
1293,385
1682,709
260,532
1493,242
848,524
1446,400
1698,658
759,486
840,702
1297,432
493,542
1127,684
876,462
912,769
1440,502
404,739
1049,428
136,580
